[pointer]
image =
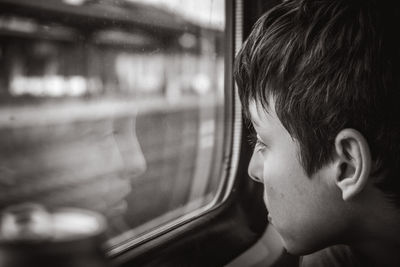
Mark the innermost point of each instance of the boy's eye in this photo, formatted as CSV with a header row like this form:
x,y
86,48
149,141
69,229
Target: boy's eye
x,y
255,142
260,145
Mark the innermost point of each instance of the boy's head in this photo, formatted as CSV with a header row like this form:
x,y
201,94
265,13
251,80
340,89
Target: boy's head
x,y
329,65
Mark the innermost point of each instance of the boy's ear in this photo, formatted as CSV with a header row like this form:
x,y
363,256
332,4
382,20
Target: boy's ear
x,y
353,162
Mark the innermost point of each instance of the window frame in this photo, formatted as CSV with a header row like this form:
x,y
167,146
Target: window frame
x,y
216,233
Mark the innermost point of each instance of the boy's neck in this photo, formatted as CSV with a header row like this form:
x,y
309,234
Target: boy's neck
x,y
379,242
378,253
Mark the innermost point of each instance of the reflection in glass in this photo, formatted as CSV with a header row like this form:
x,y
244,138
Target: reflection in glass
x,y
112,106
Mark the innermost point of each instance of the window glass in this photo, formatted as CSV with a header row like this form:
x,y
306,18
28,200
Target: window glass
x,y
114,106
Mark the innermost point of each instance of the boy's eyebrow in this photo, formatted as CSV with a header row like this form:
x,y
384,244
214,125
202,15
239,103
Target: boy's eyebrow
x,y
254,123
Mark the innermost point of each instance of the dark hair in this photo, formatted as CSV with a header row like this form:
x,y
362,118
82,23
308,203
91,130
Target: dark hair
x,y
329,65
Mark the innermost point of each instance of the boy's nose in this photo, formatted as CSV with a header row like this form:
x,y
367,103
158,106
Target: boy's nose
x,y
129,146
255,168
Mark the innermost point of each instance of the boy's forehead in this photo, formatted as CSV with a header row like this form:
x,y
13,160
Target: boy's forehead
x,y
260,113
266,122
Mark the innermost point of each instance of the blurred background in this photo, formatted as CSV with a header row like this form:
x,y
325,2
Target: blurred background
x,y
112,105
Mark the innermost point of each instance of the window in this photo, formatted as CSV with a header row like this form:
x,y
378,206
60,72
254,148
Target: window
x,y
113,106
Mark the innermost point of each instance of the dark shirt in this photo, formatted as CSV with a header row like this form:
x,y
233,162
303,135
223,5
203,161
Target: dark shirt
x,y
335,256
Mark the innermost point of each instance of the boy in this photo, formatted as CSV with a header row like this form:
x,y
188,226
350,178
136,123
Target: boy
x,y
319,81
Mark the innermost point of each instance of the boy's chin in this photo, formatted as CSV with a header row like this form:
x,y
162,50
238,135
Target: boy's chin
x,y
300,248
